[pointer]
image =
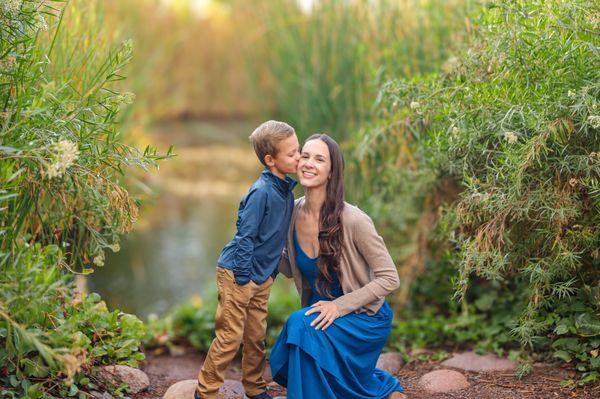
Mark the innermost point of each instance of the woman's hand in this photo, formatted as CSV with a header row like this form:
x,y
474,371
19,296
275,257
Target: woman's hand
x,y
328,313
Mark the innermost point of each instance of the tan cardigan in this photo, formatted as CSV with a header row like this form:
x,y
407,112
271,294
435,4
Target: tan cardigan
x,y
368,273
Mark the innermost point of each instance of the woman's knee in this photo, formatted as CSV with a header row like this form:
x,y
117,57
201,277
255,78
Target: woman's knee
x,y
298,319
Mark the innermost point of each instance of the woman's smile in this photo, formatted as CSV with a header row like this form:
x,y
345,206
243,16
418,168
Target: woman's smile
x,y
307,174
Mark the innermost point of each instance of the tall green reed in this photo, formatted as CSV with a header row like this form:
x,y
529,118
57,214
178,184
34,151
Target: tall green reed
x,y
187,64
61,138
319,70
62,197
324,67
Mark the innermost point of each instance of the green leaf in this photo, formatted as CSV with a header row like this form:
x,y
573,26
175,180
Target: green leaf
x,y
588,325
524,369
14,381
563,355
73,390
93,297
571,344
561,329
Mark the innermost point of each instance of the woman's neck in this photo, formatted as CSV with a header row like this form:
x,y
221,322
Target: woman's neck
x,y
314,200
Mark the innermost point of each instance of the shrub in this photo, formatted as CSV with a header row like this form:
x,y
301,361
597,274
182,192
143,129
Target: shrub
x,y
193,322
503,144
62,199
51,339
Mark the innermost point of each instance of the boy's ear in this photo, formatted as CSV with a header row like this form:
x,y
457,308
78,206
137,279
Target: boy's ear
x,y
269,160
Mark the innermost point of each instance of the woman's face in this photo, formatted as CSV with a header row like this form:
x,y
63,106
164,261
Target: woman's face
x,y
314,167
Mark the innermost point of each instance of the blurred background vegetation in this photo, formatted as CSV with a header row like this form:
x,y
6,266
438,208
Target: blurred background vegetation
x,y
471,135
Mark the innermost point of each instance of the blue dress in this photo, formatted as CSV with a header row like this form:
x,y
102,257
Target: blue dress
x,y
336,363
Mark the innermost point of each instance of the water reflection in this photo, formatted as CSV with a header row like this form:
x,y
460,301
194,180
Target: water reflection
x,y
172,253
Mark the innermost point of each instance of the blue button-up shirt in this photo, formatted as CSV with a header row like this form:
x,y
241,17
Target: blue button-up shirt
x,y
263,221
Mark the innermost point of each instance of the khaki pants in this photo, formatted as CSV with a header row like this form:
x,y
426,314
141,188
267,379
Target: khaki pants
x,y
241,318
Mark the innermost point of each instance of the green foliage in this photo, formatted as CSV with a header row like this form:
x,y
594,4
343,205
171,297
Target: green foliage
x,y
283,301
430,319
49,335
61,150
324,65
504,146
193,322
62,201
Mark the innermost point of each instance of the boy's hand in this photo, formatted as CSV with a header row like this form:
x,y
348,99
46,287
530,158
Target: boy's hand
x,y
328,313
242,280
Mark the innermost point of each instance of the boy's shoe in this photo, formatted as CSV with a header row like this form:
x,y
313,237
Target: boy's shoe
x,y
263,395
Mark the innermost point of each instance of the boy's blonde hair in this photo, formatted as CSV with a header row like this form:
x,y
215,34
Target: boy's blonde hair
x,y
266,137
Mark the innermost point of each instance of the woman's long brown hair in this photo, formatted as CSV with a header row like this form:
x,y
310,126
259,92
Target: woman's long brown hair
x,y
331,234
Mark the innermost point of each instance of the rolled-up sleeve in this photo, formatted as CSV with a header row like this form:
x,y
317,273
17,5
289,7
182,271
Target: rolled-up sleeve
x,y
284,266
248,228
385,275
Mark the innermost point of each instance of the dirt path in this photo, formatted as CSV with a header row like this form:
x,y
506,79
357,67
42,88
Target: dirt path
x,y
544,383
165,370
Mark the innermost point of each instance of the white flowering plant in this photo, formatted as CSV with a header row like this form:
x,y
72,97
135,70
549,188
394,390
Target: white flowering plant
x,y
63,198
490,186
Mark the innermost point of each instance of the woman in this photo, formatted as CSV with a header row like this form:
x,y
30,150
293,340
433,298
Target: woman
x,y
343,271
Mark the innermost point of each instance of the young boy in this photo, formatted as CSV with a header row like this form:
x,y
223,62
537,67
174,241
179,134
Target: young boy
x,y
247,265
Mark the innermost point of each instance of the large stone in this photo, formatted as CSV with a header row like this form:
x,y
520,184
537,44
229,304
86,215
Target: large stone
x,y
391,362
117,374
101,395
440,381
471,361
185,390
397,395
420,351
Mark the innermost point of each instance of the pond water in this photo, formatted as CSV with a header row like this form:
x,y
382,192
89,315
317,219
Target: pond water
x,y
171,254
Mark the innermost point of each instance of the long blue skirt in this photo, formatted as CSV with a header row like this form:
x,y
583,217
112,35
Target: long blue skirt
x,y
336,363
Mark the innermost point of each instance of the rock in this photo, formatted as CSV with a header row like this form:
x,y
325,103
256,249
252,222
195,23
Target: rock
x,y
117,374
101,395
185,390
181,390
175,350
440,381
420,351
391,362
397,395
231,390
471,361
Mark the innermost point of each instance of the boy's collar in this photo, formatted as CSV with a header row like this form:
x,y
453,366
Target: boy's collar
x,y
283,185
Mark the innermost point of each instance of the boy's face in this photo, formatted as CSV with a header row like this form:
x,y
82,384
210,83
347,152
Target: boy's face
x,y
286,160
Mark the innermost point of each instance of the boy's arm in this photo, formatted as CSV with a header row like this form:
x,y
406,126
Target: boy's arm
x,y
248,226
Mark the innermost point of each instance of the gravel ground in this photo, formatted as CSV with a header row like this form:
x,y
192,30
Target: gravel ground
x,y
544,382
